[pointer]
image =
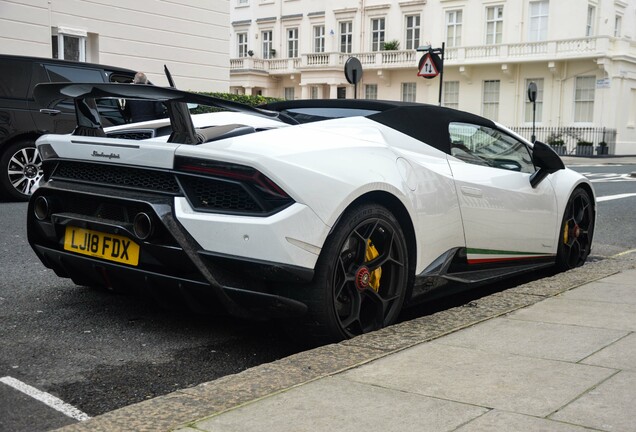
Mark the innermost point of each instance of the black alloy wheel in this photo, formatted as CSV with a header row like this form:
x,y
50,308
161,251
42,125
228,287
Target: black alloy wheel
x,y
363,275
577,229
21,167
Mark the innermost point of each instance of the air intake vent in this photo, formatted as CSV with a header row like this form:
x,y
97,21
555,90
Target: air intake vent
x,y
119,176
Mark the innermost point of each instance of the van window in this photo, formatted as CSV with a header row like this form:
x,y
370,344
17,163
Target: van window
x,y
14,78
74,74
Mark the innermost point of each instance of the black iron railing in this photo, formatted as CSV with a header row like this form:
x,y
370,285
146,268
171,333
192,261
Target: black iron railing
x,y
580,141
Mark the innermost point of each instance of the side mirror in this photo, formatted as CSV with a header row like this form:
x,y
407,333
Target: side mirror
x,y
547,162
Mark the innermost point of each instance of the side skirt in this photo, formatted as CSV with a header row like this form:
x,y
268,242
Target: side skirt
x,y
454,267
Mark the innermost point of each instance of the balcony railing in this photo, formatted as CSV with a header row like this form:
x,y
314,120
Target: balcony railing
x,y
482,54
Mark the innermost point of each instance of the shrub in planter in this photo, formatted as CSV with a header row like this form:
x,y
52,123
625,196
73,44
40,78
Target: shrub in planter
x,y
392,45
602,148
584,148
558,145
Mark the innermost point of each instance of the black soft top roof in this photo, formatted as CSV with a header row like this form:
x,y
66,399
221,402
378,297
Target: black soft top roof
x,y
424,122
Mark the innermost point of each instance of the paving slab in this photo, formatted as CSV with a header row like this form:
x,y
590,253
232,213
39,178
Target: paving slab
x,y
560,310
335,404
604,291
503,381
609,407
534,339
498,421
619,355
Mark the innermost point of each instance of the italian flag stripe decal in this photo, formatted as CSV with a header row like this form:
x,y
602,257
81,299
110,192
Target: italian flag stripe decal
x,y
484,256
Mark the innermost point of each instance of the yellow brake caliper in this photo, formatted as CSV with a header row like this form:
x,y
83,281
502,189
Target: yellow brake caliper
x,y
565,234
374,278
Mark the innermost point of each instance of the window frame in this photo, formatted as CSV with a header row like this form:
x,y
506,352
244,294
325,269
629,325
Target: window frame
x,y
241,45
267,44
456,25
490,106
409,92
618,25
451,91
589,23
541,18
581,103
497,22
412,40
371,91
292,42
319,38
346,36
377,43
58,40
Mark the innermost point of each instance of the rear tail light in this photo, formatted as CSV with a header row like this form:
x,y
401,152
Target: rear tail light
x,y
232,187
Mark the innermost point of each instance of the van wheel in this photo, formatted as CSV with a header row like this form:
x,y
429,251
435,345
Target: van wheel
x,y
20,170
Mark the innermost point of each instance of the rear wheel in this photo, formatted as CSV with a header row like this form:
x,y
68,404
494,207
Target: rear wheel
x,y
577,229
362,276
20,170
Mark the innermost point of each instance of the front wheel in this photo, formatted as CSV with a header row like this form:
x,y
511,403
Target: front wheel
x,y
577,229
20,170
362,275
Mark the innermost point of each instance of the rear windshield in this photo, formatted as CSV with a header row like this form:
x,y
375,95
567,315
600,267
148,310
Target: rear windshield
x,y
307,115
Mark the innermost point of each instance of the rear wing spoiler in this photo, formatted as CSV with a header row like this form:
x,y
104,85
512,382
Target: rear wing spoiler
x,y
49,95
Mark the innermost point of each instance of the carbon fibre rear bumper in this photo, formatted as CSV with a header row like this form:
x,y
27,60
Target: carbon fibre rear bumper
x,y
173,261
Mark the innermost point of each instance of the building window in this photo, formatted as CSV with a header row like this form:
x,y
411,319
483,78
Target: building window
x,y
539,101
618,23
409,92
490,107
453,28
589,28
68,46
292,42
314,92
451,94
377,34
371,91
584,99
289,93
538,21
341,93
494,24
241,43
242,2
266,37
346,36
412,31
319,39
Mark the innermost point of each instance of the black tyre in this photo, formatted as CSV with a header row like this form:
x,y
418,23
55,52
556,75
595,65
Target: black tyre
x,y
20,170
362,276
577,229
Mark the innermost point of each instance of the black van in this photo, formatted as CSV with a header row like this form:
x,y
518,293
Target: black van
x,y
22,121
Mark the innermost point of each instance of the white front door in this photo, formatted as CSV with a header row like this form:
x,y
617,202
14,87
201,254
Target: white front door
x,y
504,217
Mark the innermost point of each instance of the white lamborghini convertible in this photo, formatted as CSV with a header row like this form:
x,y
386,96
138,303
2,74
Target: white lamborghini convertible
x,y
334,212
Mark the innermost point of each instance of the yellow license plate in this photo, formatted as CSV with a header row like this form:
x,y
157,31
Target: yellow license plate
x,y
101,245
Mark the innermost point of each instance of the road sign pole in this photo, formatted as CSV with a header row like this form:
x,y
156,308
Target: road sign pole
x,y
441,74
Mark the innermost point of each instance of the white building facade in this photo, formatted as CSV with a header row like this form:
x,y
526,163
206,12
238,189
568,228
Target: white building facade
x,y
189,36
580,53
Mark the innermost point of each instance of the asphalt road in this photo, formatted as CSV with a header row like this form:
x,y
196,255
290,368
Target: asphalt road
x,y
98,351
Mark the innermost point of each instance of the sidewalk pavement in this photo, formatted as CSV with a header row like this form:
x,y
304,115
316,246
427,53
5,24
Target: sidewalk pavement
x,y
556,354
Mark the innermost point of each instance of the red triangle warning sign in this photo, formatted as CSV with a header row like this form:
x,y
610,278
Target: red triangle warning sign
x,y
427,67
